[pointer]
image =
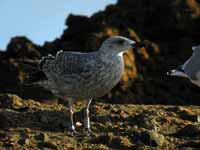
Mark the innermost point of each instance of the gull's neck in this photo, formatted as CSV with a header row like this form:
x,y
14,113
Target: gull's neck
x,y
109,52
120,54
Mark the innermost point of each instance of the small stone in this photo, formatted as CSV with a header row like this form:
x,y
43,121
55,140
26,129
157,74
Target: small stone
x,y
157,137
27,130
46,137
124,114
198,118
42,137
18,103
152,138
79,124
27,141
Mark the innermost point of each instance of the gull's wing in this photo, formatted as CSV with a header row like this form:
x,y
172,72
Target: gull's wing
x,y
192,65
70,65
74,62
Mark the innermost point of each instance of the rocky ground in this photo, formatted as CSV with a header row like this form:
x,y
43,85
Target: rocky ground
x,y
27,124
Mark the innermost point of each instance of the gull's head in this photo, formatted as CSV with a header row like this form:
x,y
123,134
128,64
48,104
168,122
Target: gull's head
x,y
117,44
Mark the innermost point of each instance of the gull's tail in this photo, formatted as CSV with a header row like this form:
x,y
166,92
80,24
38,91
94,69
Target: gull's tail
x,y
34,71
34,78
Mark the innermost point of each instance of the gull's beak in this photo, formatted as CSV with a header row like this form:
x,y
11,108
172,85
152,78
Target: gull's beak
x,y
172,72
137,45
132,43
177,72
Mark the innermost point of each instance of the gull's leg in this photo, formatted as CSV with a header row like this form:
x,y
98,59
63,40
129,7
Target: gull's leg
x,y
71,101
86,116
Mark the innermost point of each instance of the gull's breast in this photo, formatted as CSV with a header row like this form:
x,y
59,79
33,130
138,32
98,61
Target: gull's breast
x,y
109,75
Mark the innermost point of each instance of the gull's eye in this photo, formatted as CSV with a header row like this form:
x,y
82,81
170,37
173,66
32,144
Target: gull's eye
x,y
120,41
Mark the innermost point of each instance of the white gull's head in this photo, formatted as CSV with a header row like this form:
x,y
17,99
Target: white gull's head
x,y
117,44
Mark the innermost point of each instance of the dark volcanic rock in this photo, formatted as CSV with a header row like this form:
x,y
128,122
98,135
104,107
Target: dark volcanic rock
x,y
170,28
21,47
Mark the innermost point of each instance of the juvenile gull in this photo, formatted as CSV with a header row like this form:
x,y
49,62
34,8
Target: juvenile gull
x,y
75,75
191,68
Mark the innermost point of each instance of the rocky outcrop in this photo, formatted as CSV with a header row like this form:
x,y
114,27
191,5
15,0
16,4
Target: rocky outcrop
x,y
170,28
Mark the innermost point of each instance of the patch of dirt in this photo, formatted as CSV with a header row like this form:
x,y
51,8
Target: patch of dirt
x,y
27,124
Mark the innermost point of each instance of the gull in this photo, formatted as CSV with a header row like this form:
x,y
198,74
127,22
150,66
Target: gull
x,y
191,68
74,75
